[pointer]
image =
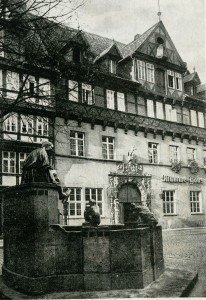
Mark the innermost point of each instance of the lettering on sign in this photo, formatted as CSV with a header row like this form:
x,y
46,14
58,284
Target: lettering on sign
x,y
190,180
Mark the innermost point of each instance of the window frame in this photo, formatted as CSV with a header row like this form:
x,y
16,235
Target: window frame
x,y
9,159
195,202
121,105
96,198
171,208
141,70
87,94
76,202
153,153
150,72
110,96
112,66
106,154
194,153
44,123
176,152
178,81
77,144
172,76
8,123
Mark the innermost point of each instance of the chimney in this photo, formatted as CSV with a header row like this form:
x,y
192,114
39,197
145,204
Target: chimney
x,y
136,36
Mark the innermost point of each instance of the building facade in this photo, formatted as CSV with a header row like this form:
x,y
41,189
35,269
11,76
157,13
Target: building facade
x,y
128,123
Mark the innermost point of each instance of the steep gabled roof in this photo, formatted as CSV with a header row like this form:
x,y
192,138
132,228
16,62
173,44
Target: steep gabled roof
x,y
108,50
99,45
129,49
192,77
201,88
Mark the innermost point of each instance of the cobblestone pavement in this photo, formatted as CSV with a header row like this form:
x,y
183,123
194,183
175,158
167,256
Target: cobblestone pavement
x,y
186,249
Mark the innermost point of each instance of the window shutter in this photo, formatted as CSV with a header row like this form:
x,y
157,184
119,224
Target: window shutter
x,y
110,99
120,102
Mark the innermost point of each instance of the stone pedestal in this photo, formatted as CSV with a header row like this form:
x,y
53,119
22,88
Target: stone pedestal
x,y
41,256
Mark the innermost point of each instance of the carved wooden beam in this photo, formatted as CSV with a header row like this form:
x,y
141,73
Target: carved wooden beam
x,y
163,134
145,132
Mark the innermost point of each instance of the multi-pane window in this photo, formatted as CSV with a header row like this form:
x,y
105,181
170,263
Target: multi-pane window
x,y
95,194
9,162
159,110
171,114
141,69
76,143
108,147
174,153
193,117
87,93
150,72
153,153
10,123
179,114
110,99
112,66
29,85
42,126
27,124
195,202
12,84
169,206
178,81
22,157
171,82
186,115
73,90
44,92
191,153
141,106
75,202
200,119
44,87
150,108
120,102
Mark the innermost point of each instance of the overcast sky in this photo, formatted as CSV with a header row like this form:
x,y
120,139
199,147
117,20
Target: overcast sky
x,y
122,19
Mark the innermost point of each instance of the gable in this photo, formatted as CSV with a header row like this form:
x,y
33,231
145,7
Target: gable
x,y
150,45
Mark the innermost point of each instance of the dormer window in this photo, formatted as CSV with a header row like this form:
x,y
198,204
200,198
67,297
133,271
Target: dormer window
x,y
112,66
193,90
74,55
171,82
178,81
141,70
87,94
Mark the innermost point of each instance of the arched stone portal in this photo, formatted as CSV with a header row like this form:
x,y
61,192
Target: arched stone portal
x,y
128,175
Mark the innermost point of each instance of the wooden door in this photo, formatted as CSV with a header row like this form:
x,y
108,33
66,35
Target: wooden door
x,y
127,195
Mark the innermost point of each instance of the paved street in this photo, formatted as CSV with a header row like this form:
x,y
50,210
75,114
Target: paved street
x,y
182,249
186,249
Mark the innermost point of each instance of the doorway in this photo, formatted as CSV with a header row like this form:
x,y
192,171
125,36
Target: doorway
x,y
128,194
